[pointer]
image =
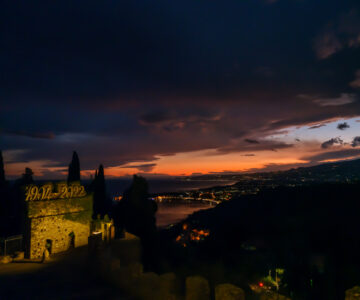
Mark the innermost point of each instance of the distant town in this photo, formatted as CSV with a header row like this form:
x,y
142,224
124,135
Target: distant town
x,y
252,183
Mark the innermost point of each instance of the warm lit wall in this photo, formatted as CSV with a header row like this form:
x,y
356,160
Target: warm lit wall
x,y
55,220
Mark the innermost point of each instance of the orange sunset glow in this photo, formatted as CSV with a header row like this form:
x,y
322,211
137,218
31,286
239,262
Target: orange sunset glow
x,y
208,161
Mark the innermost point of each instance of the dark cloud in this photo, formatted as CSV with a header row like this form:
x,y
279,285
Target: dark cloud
x,y
356,82
341,34
343,126
338,154
123,82
334,100
332,142
266,145
356,141
226,172
248,154
155,117
142,167
317,126
36,135
264,72
251,141
343,99
178,120
326,45
272,167
128,50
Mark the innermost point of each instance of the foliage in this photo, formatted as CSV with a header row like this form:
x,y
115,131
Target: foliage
x,y
102,203
2,171
74,168
136,213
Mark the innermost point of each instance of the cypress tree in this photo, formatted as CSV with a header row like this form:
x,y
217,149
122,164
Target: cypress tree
x,y
102,204
18,208
2,171
101,175
137,214
5,200
74,168
27,177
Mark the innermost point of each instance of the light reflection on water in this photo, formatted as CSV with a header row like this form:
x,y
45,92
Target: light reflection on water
x,y
173,213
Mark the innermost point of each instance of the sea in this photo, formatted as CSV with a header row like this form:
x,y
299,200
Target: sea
x,y
116,187
168,214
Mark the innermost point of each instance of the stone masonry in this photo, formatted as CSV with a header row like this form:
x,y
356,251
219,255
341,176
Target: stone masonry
x,y
58,223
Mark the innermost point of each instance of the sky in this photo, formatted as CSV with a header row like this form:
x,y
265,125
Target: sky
x,y
178,87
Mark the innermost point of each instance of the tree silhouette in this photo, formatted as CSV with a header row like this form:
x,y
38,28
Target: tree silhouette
x,y
74,168
5,199
136,213
2,172
102,203
18,206
27,177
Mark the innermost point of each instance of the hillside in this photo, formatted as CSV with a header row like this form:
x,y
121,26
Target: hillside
x,y
310,231
342,171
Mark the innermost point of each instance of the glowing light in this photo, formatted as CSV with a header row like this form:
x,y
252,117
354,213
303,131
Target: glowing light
x,y
46,191
118,198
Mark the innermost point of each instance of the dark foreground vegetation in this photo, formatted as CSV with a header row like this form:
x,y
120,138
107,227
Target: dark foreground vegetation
x,y
310,232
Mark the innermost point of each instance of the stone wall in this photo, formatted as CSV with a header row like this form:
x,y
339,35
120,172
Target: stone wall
x,y
37,209
63,222
353,294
